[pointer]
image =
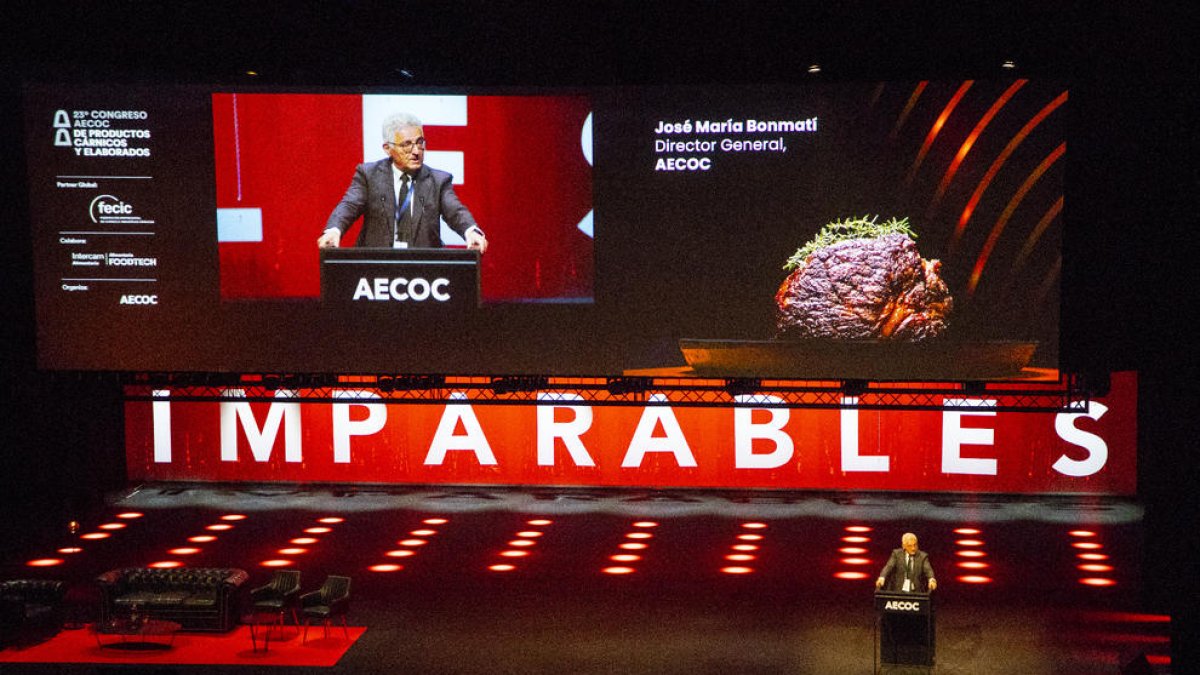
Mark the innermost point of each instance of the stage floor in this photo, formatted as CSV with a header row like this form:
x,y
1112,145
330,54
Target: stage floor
x,y
482,580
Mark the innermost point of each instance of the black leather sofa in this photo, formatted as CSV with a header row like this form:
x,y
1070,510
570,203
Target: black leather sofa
x,y
200,599
30,610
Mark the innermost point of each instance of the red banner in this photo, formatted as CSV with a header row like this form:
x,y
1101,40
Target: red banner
x,y
968,447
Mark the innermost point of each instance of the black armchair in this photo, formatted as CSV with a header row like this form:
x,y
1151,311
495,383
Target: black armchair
x,y
30,610
279,595
332,599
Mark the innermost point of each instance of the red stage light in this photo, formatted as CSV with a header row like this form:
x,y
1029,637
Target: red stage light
x,y
202,539
529,534
970,554
1097,581
276,563
95,535
70,549
857,528
744,547
423,533
434,521
331,520
851,576
1082,533
514,554
750,537
740,557
966,530
856,540
969,542
856,561
305,541
632,546
401,553
184,551
972,565
318,530
502,568
639,535
645,523
166,564
129,515
219,528
1093,556
385,568
737,570
975,579
852,550
112,526
1087,545
233,516
412,542
519,543
292,551
539,523
618,570
1094,567
45,562
624,557
754,526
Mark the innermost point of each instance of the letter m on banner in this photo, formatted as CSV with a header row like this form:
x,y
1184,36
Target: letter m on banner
x,y
235,414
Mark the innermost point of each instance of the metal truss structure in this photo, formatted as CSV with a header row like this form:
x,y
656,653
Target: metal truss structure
x,y
1063,393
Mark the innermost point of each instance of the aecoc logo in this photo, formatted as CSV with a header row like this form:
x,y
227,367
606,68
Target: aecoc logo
x,y
128,299
902,606
401,289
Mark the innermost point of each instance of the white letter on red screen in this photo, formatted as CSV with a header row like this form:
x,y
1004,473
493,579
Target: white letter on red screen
x,y
548,429
444,439
954,436
644,441
344,427
745,432
1064,424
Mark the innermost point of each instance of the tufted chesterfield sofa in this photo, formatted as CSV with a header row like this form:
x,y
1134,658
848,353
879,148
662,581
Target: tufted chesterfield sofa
x,y
199,599
30,609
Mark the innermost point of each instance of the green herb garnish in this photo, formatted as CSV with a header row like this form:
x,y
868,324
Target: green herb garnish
x,y
850,228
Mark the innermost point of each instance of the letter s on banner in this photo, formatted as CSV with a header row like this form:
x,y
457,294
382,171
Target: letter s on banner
x,y
1064,425
745,431
344,427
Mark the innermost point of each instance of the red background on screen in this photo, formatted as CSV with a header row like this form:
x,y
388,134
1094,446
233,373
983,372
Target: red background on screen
x,y
292,155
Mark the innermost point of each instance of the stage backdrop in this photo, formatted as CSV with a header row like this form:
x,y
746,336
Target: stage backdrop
x,y
968,449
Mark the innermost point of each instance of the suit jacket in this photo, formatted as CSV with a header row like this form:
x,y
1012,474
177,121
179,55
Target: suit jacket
x,y
372,195
893,572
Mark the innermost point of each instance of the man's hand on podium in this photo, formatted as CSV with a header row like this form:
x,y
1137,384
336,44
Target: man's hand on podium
x,y
476,240
879,582
932,584
330,238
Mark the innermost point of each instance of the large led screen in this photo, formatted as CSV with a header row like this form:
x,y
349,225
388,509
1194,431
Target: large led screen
x,y
900,230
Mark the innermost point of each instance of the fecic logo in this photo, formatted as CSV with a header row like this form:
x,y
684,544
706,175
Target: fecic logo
x,y
62,125
111,209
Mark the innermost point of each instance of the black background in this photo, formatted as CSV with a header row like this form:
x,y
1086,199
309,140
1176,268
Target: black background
x,y
1129,299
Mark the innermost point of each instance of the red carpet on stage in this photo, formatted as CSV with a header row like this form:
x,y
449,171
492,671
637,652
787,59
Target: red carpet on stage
x,y
233,648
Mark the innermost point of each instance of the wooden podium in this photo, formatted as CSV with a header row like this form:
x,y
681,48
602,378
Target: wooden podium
x,y
904,628
399,279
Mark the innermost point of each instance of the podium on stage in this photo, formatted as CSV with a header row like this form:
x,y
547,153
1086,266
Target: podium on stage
x,y
904,628
399,280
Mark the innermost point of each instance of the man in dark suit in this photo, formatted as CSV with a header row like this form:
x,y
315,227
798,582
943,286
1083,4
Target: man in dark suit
x,y
401,200
907,569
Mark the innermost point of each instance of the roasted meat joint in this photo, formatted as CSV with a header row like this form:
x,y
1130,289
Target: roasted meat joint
x,y
861,279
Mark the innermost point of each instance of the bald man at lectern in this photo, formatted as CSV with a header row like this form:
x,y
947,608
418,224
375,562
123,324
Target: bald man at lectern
x,y
908,569
401,200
